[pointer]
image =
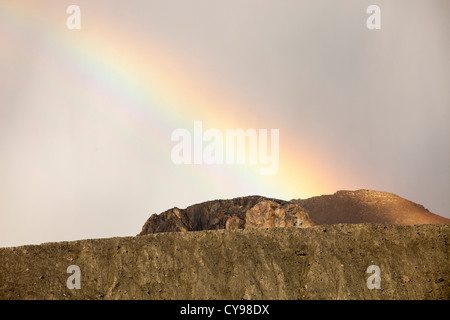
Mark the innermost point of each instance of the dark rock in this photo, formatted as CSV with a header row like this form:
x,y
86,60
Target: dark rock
x,y
253,212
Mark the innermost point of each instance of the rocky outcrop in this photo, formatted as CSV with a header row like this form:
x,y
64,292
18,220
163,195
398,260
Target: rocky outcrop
x,y
253,212
270,214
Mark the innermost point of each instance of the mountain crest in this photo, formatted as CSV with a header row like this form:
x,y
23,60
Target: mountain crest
x,y
257,212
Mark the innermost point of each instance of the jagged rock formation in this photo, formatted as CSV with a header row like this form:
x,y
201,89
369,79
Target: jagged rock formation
x,y
251,212
259,212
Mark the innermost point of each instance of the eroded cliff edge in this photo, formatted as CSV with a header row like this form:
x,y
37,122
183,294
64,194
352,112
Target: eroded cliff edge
x,y
319,262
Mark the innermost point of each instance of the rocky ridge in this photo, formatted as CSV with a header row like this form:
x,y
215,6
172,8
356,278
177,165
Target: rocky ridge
x,y
250,248
253,212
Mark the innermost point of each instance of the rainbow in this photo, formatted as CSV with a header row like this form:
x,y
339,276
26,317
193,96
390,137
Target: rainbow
x,y
135,77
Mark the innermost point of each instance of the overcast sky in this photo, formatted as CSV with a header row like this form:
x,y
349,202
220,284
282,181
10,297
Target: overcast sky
x,y
86,115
